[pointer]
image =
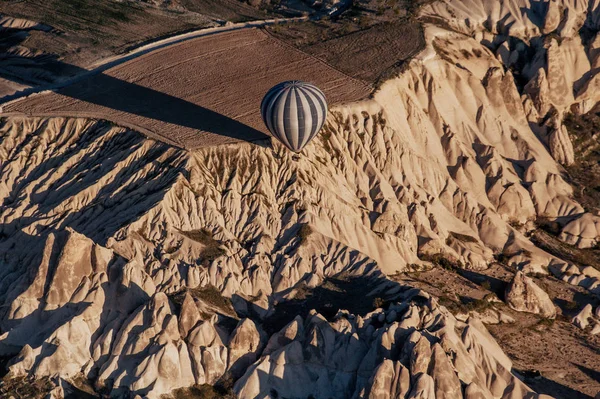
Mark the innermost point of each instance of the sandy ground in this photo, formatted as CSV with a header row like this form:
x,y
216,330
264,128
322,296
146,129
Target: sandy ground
x,y
190,94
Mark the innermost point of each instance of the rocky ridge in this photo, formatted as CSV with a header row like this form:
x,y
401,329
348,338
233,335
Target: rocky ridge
x,y
107,236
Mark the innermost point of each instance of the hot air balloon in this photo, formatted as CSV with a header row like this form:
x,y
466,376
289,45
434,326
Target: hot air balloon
x,y
294,112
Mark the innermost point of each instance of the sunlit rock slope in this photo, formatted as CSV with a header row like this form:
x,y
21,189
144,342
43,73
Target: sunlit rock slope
x,y
146,268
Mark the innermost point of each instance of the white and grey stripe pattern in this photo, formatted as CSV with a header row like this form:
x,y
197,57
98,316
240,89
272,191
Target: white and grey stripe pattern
x,y
294,112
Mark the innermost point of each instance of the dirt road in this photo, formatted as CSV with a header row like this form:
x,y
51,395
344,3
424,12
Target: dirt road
x,y
201,92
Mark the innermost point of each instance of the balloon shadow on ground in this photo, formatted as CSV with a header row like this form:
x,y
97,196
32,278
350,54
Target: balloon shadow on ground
x,y
120,95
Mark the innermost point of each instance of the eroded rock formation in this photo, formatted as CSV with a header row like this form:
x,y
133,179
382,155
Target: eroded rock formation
x,y
524,295
146,268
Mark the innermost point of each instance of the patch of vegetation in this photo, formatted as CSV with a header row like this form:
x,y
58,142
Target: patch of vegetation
x,y
463,237
548,225
453,307
555,36
80,387
584,174
543,323
205,391
529,374
209,254
23,387
443,261
335,293
449,304
212,248
582,127
304,232
525,252
502,258
203,236
306,33
364,22
325,136
415,273
467,305
208,294
85,15
537,275
440,46
479,305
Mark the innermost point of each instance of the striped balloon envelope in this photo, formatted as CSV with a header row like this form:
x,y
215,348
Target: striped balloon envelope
x,y
294,112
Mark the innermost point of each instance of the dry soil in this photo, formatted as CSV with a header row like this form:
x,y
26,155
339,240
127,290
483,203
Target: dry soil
x,y
201,92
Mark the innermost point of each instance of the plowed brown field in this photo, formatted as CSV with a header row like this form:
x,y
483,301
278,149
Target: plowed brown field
x,y
201,92
369,54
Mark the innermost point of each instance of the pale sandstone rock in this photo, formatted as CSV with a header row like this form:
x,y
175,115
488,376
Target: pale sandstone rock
x,y
582,319
327,367
447,384
553,16
584,232
420,357
289,333
473,391
445,147
423,388
390,380
244,346
523,295
189,315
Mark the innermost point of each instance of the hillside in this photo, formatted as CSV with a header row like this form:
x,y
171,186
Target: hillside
x,y
432,242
